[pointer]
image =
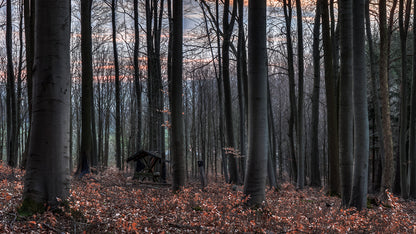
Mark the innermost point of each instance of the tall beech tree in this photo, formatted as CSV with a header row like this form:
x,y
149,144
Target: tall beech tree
x,y
388,167
86,153
315,172
345,100
375,94
137,83
12,131
117,84
228,26
176,103
287,9
412,140
47,174
255,181
404,19
29,20
300,117
332,107
361,125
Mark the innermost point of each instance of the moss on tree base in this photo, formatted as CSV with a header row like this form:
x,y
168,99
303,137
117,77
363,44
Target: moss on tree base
x,y
30,207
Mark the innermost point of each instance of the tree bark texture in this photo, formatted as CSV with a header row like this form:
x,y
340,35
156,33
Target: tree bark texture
x,y
47,175
346,102
388,167
361,125
255,182
176,100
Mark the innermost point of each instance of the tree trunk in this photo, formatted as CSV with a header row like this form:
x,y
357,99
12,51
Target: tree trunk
x,y
287,7
176,103
315,173
47,175
117,84
300,117
255,182
86,154
29,12
227,32
11,94
242,84
332,109
374,86
388,167
345,100
361,125
412,140
403,149
137,74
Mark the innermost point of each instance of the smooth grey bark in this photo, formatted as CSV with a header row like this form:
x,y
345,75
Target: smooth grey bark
x,y
255,181
300,117
361,125
412,140
47,174
345,100
332,108
176,102
314,169
117,84
86,154
11,93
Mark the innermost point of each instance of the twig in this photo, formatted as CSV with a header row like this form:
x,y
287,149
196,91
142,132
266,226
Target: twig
x,y
198,228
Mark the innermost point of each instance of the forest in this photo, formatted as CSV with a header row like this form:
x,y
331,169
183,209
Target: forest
x,y
212,116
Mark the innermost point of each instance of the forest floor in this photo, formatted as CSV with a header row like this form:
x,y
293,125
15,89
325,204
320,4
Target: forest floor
x,y
112,202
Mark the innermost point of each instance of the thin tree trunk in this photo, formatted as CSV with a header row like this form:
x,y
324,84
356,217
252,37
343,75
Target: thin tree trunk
x,y
300,117
137,74
11,93
241,83
315,173
388,167
332,109
287,7
29,12
19,118
117,85
227,32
